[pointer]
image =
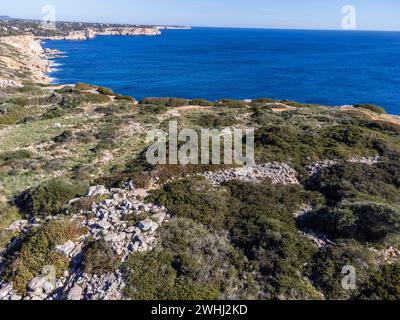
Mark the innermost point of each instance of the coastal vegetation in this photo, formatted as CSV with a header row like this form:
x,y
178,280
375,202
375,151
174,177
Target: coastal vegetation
x,y
77,153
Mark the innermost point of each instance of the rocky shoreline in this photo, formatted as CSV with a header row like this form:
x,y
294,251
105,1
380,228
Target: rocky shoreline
x,y
117,31
29,58
32,59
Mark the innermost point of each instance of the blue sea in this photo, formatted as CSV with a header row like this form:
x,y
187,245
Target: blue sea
x,y
324,67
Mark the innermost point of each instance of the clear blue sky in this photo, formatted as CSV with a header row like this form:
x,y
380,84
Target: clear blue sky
x,y
307,14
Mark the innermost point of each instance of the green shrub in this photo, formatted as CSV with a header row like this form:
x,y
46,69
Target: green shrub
x,y
365,221
64,137
105,91
193,198
355,181
125,98
262,101
350,136
229,103
21,154
96,98
187,267
370,107
383,284
37,251
12,113
327,269
298,104
54,113
8,214
152,109
201,102
50,197
261,223
166,102
84,86
67,89
215,121
85,204
100,258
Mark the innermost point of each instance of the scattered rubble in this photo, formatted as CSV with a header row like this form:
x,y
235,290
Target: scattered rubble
x,y
387,256
277,172
316,167
108,220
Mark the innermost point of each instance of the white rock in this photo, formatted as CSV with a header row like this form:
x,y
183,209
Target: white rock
x,y
97,191
75,293
48,287
104,225
18,225
5,290
148,225
113,237
36,285
130,229
66,249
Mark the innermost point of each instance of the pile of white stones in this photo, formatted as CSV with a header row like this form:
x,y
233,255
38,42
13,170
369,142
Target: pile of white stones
x,y
316,167
279,173
387,256
108,221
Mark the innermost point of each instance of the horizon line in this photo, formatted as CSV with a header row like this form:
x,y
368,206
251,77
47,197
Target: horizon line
x,y
216,27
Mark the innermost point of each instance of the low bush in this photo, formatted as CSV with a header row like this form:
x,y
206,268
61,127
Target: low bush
x,y
186,267
356,181
125,98
54,113
229,103
166,102
328,265
8,214
99,258
383,284
50,197
96,98
193,198
37,251
105,91
215,121
64,137
21,154
364,221
261,223
84,86
201,102
152,109
370,107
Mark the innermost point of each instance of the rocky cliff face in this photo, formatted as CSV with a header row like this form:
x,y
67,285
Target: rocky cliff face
x,y
117,31
23,55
